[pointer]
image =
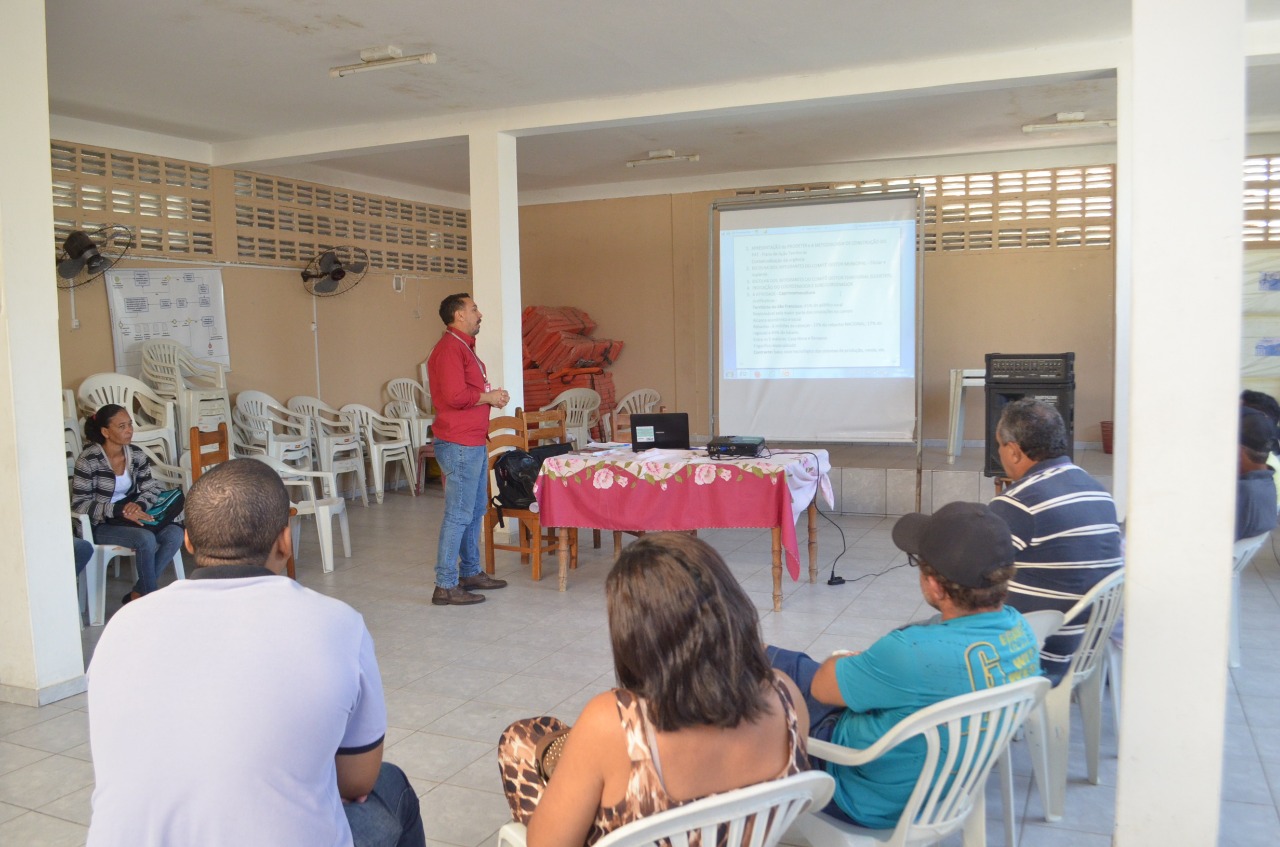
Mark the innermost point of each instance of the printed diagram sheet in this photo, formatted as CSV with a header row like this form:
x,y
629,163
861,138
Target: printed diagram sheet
x,y
184,305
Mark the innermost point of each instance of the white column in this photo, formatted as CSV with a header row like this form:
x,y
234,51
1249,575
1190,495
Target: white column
x,y
1185,122
40,658
495,259
1124,293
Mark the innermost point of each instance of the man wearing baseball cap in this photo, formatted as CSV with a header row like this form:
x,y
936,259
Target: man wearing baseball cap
x,y
1256,488
965,556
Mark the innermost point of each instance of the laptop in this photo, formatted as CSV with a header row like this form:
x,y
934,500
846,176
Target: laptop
x,y
665,431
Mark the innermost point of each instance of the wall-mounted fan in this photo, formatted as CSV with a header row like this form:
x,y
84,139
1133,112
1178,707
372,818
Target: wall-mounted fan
x,y
335,271
85,256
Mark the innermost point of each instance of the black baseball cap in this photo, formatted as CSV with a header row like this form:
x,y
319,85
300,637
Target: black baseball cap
x,y
962,541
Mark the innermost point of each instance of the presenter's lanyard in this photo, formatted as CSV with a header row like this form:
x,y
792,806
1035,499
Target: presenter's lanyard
x,y
483,372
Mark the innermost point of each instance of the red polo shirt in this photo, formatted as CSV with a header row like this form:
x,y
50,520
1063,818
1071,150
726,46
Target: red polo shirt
x,y
456,378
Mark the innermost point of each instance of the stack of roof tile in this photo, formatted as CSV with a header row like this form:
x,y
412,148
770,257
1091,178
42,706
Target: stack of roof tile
x,y
559,354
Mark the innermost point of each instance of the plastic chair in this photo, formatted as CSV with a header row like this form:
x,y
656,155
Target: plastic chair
x,y
282,433
324,508
950,785
335,436
95,573
755,816
507,433
410,401
197,387
170,476
1245,550
1049,730
154,418
1043,624
386,441
581,407
638,402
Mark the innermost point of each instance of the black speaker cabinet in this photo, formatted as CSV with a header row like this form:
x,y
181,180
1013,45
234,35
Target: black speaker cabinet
x,y
1062,397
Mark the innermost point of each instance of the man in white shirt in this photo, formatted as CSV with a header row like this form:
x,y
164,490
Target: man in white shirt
x,y
242,708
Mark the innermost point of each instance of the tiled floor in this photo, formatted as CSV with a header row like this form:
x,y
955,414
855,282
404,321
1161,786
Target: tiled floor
x,y
456,676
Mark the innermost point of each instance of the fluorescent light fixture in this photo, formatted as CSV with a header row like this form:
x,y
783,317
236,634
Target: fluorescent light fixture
x,y
388,57
1069,120
657,157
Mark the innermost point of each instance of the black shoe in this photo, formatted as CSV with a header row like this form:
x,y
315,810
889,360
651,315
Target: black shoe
x,y
458,596
482,582
132,595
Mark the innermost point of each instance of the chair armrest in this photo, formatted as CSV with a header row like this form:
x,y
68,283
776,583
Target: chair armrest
x,y
513,834
86,527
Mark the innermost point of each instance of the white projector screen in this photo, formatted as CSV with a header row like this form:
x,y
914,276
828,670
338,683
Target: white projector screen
x,y
816,318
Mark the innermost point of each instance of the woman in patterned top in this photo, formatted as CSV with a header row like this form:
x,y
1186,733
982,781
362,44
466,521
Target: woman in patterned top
x,y
113,485
698,710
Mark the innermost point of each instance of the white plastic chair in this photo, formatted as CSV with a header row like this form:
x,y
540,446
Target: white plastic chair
x,y
1245,550
154,417
409,401
198,387
324,508
335,436
951,783
280,432
582,411
386,441
95,572
411,391
71,441
1043,624
755,816
638,402
1049,729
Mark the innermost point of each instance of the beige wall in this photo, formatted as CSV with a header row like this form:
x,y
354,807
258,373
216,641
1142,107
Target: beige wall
x,y
640,267
367,336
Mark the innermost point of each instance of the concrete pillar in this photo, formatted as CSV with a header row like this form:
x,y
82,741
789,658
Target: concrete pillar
x,y
495,258
40,657
1184,124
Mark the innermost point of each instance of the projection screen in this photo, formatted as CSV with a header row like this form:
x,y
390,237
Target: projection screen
x,y
816,317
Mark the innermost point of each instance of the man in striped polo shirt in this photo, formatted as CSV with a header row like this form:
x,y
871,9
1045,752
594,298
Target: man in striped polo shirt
x,y
1065,534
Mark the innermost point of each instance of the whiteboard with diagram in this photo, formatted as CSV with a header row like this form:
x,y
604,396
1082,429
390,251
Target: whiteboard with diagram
x,y
183,305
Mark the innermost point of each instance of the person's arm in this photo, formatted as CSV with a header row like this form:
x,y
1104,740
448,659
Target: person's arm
x,y
797,703
85,498
148,487
1021,525
574,793
825,687
357,772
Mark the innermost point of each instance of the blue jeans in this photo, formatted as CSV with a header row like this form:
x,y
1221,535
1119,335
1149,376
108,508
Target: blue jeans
x,y
390,816
152,551
466,496
822,716
83,552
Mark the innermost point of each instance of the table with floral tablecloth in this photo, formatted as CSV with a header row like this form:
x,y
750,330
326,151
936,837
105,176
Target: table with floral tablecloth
x,y
686,490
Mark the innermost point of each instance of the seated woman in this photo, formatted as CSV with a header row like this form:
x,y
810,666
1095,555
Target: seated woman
x,y
698,710
112,484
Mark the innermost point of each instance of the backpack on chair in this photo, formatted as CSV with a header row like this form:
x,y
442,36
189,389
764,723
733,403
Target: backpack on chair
x,y
515,472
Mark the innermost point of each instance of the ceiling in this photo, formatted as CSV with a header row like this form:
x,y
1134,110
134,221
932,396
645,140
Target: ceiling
x,y
749,85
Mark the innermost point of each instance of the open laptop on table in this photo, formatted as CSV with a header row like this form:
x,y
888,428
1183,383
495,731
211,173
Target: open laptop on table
x,y
665,431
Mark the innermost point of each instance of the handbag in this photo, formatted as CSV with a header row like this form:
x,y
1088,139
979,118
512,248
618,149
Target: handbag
x,y
164,511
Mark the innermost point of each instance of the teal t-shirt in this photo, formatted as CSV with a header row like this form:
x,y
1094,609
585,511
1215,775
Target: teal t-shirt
x,y
903,672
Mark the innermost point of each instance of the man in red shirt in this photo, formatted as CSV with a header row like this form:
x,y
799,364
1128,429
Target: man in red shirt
x,y
463,398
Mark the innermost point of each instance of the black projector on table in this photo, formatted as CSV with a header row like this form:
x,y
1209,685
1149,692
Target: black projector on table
x,y
736,446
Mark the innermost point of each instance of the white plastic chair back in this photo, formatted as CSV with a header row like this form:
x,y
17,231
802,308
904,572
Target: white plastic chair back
x,y
197,387
951,783
412,392
170,476
1245,550
639,402
1049,731
581,412
283,433
69,410
154,417
387,441
755,816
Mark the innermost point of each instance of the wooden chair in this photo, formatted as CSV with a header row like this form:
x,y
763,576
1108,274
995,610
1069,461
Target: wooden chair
x,y
549,427
202,459
508,433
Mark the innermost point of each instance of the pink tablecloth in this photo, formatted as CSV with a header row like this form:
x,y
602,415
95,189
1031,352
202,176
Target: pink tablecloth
x,y
623,491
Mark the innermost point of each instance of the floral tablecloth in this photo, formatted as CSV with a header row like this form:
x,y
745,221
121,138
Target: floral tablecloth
x,y
682,490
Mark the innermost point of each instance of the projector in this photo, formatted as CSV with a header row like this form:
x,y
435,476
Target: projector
x,y
736,446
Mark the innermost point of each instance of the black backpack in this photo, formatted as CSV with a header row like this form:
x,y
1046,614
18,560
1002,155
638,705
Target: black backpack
x,y
516,471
